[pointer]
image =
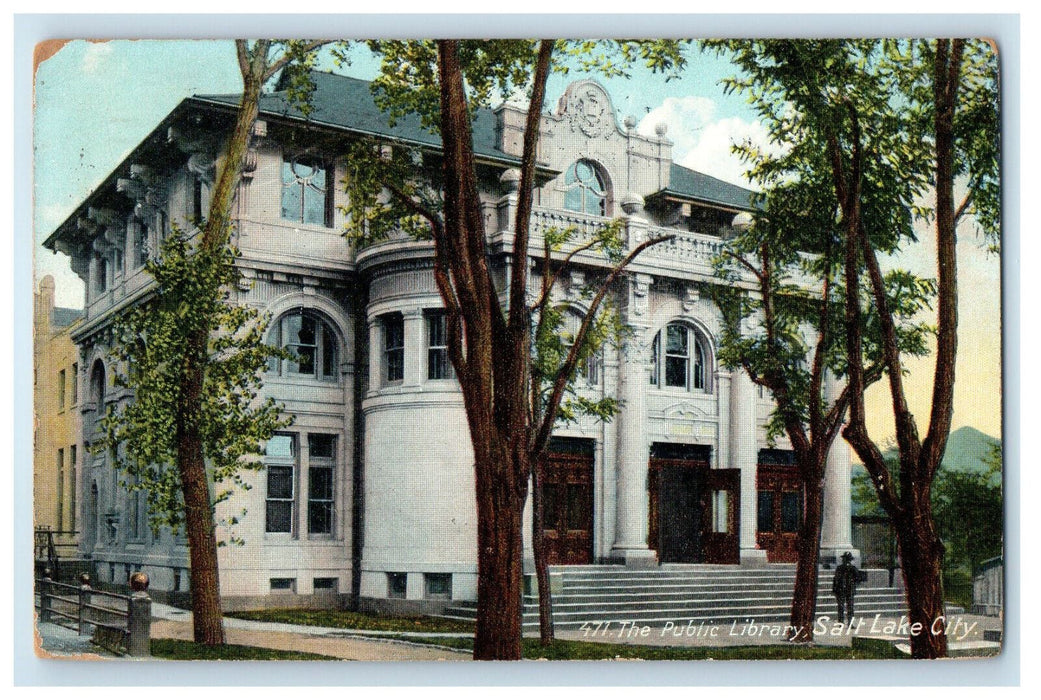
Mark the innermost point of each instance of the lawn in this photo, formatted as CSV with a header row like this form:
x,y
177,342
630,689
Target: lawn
x,y
180,650
344,619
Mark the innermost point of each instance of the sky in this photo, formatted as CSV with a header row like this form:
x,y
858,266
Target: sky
x,y
95,101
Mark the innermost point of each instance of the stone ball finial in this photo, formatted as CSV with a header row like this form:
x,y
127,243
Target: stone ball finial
x,y
632,203
660,129
742,222
139,582
630,122
84,579
510,180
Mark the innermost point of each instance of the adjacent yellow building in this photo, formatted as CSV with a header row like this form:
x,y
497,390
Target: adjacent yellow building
x,y
56,423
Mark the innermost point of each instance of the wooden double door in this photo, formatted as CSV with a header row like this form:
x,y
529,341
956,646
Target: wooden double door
x,y
694,511
779,511
567,502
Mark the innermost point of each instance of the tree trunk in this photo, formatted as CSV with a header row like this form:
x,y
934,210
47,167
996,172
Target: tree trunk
x,y
538,543
198,508
921,559
804,597
499,561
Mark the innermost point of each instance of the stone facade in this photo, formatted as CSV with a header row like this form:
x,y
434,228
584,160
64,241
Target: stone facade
x,y
369,495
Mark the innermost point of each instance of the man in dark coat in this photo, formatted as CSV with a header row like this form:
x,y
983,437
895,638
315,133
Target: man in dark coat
x,y
844,587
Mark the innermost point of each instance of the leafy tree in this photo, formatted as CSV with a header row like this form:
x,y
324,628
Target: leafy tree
x,y
890,124
490,330
193,363
787,332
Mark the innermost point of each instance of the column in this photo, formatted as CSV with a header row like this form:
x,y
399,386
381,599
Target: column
x,y
375,356
836,527
744,456
632,502
415,343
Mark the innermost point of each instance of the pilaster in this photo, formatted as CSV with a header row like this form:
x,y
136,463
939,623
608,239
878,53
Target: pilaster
x,y
744,456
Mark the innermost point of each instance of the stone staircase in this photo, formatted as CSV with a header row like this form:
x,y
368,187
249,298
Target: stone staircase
x,y
683,592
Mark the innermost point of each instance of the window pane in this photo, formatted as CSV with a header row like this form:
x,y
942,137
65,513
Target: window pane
x,y
279,482
676,340
320,481
579,513
279,516
791,511
573,199
550,507
320,518
439,366
765,519
676,371
320,445
280,446
328,353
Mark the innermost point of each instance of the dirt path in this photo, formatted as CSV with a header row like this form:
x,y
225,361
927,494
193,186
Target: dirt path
x,y
339,647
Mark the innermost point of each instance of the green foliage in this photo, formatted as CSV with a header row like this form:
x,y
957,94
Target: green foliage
x,y
498,69
151,347
968,510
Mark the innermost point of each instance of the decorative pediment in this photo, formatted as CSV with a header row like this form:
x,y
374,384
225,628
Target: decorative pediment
x,y
687,409
587,108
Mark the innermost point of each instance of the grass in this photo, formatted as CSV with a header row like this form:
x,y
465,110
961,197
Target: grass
x,y
343,619
180,650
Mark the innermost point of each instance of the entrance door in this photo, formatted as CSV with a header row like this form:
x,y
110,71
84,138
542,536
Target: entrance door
x,y
567,494
720,519
680,514
779,511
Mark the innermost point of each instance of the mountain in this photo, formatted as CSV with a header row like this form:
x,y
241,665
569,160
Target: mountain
x,y
967,451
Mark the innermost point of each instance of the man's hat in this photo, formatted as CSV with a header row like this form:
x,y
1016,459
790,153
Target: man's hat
x,y
847,557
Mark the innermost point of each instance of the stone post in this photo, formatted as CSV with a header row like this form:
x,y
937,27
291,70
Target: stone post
x,y
139,616
744,456
836,526
45,596
85,590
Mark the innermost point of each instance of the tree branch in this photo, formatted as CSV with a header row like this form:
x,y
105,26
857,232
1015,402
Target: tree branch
x,y
567,369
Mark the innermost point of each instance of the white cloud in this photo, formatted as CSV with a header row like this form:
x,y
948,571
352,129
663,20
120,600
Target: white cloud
x,y
702,142
95,56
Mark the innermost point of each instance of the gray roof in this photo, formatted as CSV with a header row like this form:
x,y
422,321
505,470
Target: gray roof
x,y
687,183
347,103
62,317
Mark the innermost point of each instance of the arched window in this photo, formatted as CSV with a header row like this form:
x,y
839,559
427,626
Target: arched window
x,y
306,195
680,359
97,385
311,340
585,189
588,369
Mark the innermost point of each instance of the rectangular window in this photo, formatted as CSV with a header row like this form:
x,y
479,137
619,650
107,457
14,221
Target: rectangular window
x,y
306,194
765,512
101,281
327,584
439,366
677,356
281,481
72,489
282,585
133,513
75,383
321,504
791,511
397,585
437,586
61,390
393,348
140,242
61,489
196,211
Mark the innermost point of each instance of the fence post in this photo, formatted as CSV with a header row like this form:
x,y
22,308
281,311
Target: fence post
x,y
45,596
139,616
84,625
